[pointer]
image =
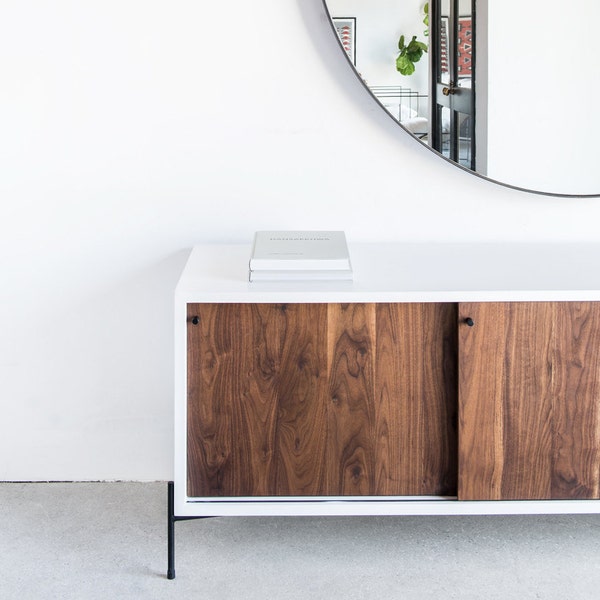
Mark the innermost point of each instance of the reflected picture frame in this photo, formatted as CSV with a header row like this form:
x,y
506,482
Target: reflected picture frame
x,y
346,30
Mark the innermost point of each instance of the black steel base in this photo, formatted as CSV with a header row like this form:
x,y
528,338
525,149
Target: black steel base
x,y
171,520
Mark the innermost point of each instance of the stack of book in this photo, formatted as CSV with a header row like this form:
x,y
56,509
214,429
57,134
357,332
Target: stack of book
x,y
300,256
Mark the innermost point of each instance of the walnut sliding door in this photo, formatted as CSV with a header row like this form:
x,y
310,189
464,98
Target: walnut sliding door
x,y
321,400
529,401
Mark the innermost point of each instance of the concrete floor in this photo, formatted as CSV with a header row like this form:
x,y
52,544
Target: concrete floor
x,y
108,540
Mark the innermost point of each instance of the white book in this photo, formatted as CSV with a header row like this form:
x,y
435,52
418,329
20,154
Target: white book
x,y
310,275
300,251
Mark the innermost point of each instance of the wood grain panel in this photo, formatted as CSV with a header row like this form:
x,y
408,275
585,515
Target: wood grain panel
x,y
480,402
528,397
416,399
301,410
576,410
210,367
351,430
252,394
256,377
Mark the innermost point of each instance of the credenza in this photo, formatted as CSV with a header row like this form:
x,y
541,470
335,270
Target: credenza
x,y
444,379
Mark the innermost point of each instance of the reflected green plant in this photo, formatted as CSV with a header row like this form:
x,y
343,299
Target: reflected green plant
x,y
412,52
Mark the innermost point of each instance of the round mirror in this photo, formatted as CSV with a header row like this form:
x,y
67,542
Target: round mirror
x,y
499,88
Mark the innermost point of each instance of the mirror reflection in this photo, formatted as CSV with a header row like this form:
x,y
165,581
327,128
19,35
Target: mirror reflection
x,y
500,88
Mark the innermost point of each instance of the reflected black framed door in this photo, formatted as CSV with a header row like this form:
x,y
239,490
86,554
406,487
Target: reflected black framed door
x,y
452,47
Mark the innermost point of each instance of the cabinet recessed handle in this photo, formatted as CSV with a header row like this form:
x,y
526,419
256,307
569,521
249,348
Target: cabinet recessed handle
x,y
469,322
195,320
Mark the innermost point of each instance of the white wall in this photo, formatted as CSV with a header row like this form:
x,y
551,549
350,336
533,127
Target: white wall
x,y
131,130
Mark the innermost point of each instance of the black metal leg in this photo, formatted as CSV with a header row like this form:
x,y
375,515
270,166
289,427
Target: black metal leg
x,y
171,530
171,520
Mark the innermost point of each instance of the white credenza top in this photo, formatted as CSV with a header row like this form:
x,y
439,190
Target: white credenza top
x,y
396,272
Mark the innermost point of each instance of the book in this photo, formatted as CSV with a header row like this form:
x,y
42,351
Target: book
x,y
300,251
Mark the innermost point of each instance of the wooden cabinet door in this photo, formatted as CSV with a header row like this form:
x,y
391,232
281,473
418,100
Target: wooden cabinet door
x,y
529,401
321,399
